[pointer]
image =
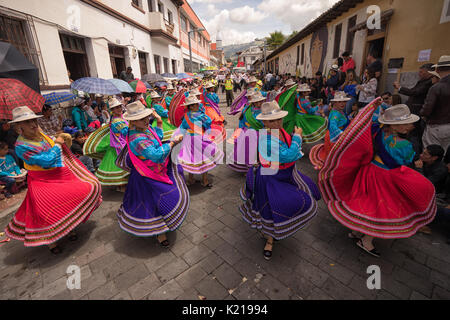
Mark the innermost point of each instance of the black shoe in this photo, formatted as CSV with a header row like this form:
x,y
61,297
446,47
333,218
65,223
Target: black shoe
x,y
165,244
225,122
56,250
267,254
73,237
8,195
372,252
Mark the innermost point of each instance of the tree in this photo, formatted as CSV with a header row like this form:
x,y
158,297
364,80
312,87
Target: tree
x,y
291,35
275,40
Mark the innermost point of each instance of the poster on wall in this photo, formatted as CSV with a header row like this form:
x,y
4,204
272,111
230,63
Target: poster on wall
x,y
424,55
318,49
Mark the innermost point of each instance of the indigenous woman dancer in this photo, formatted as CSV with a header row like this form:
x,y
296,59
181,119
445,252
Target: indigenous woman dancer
x,y
156,200
212,105
168,128
337,123
105,144
170,95
62,193
314,126
366,183
198,154
244,152
279,200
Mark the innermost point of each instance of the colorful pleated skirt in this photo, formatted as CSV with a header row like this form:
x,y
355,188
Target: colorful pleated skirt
x,y
279,205
150,207
168,129
57,201
319,153
368,198
314,127
98,146
243,146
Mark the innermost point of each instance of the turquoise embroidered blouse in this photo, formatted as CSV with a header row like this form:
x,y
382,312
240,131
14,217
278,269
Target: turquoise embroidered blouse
x,y
213,97
199,118
8,166
40,154
281,152
119,127
243,123
163,113
146,147
337,122
306,104
399,149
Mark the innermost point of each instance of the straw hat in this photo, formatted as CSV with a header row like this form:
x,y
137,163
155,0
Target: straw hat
x,y
434,73
444,61
271,111
154,95
22,114
209,85
252,79
335,67
340,96
399,114
195,92
303,88
170,87
257,97
136,111
251,91
290,83
113,102
191,100
79,101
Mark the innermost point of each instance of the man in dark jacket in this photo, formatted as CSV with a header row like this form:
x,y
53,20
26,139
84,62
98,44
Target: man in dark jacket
x,y
419,92
436,109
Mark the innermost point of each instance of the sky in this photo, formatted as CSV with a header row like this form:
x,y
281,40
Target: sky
x,y
242,21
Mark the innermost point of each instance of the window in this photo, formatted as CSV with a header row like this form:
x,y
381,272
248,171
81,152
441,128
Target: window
x,y
157,64
184,25
192,28
135,2
303,54
253,58
15,32
151,8
166,65
161,8
174,67
199,39
75,56
446,12
337,40
143,63
298,55
170,16
350,35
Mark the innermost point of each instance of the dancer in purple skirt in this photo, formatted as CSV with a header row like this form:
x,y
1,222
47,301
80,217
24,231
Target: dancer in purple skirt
x,y
156,200
278,199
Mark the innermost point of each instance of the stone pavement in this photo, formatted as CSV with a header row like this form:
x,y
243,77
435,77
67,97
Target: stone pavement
x,y
215,255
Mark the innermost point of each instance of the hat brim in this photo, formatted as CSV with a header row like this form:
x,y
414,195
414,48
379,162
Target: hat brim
x,y
412,119
441,65
116,105
274,116
340,100
258,100
144,114
190,104
303,90
31,117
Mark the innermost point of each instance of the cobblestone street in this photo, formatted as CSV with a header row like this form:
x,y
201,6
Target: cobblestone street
x,y
216,255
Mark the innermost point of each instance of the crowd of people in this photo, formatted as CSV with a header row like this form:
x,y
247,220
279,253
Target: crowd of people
x,y
383,166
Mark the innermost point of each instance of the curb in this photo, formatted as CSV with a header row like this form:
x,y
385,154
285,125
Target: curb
x,y
10,210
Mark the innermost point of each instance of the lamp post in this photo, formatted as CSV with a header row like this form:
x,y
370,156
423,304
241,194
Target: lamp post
x,y
190,47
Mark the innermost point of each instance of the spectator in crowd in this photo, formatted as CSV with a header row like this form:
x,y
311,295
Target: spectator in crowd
x,y
431,166
419,92
436,109
127,75
368,89
50,124
332,83
349,63
435,77
8,169
342,75
77,149
349,87
229,84
374,64
79,116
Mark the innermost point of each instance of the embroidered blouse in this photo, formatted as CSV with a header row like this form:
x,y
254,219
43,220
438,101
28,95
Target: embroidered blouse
x,y
337,122
119,127
8,166
281,152
377,112
145,146
163,113
198,117
40,154
306,105
399,149
169,100
245,122
213,97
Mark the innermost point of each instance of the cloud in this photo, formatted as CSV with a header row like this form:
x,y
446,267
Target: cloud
x,y
212,10
246,15
296,13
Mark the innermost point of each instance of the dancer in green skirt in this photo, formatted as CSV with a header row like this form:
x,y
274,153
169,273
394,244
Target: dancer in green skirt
x,y
105,144
168,128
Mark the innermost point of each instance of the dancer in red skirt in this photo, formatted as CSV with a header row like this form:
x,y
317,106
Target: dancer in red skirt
x,y
366,182
62,193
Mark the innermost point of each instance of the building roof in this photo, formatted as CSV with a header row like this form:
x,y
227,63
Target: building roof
x,y
335,11
194,17
213,46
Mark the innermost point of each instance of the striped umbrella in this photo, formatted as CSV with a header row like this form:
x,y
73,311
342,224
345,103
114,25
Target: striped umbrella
x,y
13,94
58,97
95,86
138,86
123,86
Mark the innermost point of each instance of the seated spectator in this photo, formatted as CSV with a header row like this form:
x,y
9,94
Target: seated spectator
x,y
432,166
349,63
368,89
8,169
79,116
349,87
50,124
77,149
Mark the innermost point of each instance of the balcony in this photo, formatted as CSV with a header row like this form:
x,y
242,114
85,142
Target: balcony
x,y
161,28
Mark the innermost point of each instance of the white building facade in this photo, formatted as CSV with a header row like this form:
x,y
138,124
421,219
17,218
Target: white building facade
x,y
250,55
92,38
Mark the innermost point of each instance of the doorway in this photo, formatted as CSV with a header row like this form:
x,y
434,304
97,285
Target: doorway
x,y
117,57
77,65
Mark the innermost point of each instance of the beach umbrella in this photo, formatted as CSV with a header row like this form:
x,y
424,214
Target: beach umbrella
x,y
95,86
138,86
58,97
123,86
153,77
13,94
14,65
